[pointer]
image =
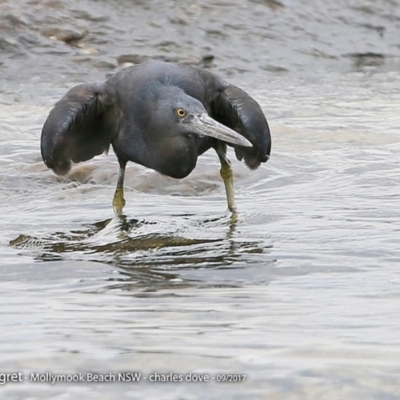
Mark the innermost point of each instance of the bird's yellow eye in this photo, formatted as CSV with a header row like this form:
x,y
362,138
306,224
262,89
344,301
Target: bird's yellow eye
x,y
180,112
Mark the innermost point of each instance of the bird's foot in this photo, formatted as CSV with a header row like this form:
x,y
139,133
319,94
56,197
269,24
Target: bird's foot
x,y
227,175
118,201
234,218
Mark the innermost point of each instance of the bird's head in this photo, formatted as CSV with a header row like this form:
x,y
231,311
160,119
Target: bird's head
x,y
178,114
193,120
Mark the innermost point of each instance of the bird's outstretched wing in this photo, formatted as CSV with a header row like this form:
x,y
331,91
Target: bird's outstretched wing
x,y
234,108
76,128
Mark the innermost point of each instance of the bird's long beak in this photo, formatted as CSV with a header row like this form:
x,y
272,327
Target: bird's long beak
x,y
204,125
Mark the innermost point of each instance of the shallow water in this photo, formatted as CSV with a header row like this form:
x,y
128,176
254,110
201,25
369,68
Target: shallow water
x,y
300,294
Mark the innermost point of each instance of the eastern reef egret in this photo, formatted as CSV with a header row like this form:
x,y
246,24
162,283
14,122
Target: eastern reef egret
x,y
159,115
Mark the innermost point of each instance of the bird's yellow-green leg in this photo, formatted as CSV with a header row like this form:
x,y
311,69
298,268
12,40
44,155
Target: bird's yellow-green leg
x,y
227,175
119,201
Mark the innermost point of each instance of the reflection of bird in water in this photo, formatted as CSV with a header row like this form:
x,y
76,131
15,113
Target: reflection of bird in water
x,y
159,115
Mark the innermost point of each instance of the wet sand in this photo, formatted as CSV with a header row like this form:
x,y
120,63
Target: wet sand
x,y
61,41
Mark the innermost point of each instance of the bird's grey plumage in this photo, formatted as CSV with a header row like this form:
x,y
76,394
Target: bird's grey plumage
x,y
136,111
